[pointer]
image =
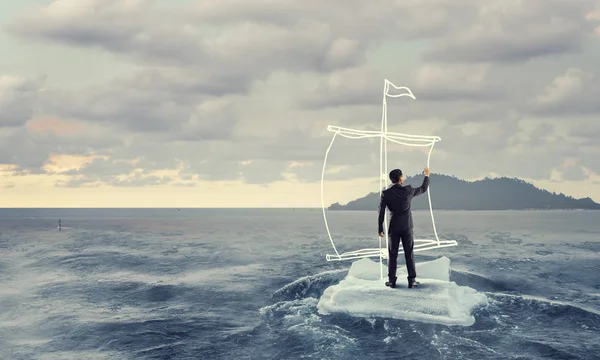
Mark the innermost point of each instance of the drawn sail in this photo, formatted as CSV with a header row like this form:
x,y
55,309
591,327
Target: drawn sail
x,y
385,136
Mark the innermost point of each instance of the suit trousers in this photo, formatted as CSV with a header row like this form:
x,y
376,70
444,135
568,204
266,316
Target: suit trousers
x,y
406,236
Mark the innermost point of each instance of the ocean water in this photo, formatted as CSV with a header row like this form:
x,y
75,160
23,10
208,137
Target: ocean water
x,y
245,284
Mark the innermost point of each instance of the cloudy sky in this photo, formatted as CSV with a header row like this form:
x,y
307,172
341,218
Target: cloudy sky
x,y
226,103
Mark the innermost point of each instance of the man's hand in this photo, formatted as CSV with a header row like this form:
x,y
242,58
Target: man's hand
x,y
426,171
380,234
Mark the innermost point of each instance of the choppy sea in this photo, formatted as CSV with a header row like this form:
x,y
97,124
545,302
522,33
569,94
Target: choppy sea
x,y
245,283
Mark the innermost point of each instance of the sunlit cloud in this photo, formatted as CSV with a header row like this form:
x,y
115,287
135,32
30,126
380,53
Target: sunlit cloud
x,y
222,102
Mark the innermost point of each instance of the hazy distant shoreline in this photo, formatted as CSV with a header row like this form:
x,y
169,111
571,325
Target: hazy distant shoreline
x,y
490,194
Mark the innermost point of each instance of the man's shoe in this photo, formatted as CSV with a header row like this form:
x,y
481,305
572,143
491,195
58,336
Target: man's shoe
x,y
412,284
391,283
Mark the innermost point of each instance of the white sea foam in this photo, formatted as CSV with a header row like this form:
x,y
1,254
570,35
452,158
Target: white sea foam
x,y
212,276
89,354
362,293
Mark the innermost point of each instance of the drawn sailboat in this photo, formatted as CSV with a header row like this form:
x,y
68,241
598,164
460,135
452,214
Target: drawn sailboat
x,y
397,138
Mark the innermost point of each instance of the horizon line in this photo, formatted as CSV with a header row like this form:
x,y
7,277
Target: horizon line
x,y
267,208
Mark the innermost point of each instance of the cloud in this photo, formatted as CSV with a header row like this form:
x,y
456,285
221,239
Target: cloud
x,y
353,19
112,172
510,31
123,108
362,86
238,90
491,137
347,87
213,119
277,154
456,82
587,134
541,133
102,167
155,36
511,147
18,96
55,125
575,92
573,173
563,88
65,164
138,180
29,149
589,160
115,25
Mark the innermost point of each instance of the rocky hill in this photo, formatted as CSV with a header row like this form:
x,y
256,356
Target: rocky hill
x,y
451,193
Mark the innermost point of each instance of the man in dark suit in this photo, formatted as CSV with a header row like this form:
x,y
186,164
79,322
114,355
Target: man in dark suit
x,y
398,198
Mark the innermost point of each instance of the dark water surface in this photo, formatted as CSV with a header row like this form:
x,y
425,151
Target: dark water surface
x,y
244,284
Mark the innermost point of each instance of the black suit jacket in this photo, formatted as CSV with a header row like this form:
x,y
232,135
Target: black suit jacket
x,y
397,198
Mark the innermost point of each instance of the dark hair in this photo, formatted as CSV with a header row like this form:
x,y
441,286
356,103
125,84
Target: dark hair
x,y
395,175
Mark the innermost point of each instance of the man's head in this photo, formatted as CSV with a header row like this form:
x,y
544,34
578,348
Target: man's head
x,y
396,176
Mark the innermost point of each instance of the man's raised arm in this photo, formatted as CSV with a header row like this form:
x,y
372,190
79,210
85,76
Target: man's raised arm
x,y
423,188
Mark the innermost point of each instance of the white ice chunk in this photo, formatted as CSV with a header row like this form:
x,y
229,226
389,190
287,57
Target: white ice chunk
x,y
437,300
367,269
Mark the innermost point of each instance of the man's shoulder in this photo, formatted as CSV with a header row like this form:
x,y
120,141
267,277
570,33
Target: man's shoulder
x,y
387,191
393,188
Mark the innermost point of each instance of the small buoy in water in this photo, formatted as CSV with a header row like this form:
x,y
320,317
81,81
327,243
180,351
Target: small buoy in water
x,y
59,225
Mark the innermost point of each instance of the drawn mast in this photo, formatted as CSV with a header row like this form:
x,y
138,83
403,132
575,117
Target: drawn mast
x,y
385,136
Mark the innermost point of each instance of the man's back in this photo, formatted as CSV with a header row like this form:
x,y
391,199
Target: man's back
x,y
398,198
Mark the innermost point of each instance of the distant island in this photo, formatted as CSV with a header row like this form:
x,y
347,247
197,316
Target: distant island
x,y
451,193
